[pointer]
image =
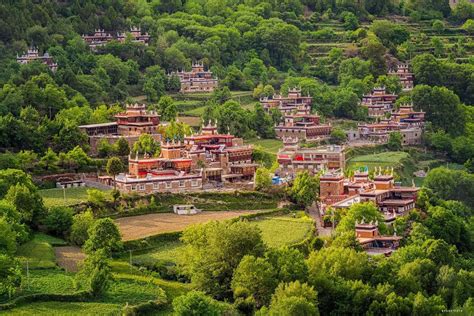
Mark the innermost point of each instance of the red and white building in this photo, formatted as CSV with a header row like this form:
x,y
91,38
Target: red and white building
x,y
187,165
336,191
293,158
407,79
196,80
33,55
130,124
379,102
293,102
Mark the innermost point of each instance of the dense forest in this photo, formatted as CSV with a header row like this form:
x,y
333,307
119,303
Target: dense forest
x,y
335,51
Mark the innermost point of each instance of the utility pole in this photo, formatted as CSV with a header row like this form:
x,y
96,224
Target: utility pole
x,y
27,274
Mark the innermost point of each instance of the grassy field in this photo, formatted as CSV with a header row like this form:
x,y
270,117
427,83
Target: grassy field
x,y
283,230
130,285
61,308
269,145
39,251
55,197
383,159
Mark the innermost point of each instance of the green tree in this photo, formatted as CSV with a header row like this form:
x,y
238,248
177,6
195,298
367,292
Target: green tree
x,y
254,277
468,26
438,26
338,136
304,189
442,107
104,148
213,251
359,212
425,306
168,109
103,235
196,303
49,161
351,22
95,274
147,144
10,276
7,237
263,179
78,158
28,202
288,263
114,167
59,220
294,299
121,147
391,83
81,223
395,141
335,262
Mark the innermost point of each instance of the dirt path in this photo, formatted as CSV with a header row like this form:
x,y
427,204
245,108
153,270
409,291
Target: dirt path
x,y
322,231
136,227
69,257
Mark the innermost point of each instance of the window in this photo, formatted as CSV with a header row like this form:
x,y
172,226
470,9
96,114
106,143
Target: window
x,y
194,183
156,185
168,185
181,183
142,187
134,187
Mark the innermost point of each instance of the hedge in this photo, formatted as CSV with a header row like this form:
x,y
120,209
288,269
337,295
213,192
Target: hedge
x,y
46,297
149,242
147,308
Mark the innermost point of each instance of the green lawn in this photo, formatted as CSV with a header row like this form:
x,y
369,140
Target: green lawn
x,y
39,252
283,230
384,159
167,251
129,285
195,112
55,197
62,308
269,145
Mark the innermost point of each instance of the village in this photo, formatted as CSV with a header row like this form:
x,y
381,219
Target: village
x,y
236,158
209,161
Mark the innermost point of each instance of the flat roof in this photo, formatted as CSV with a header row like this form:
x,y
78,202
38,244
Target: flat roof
x,y
98,125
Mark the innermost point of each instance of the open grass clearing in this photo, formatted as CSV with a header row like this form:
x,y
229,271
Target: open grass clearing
x,y
283,230
383,159
63,308
193,121
64,197
137,227
39,252
269,145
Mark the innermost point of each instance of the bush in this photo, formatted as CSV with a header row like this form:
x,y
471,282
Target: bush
x,y
58,221
80,226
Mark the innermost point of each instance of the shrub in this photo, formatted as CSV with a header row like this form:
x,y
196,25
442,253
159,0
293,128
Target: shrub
x,y
80,226
59,220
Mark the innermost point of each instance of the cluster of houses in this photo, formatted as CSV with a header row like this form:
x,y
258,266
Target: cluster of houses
x,y
392,200
33,55
297,120
408,122
136,120
205,158
196,80
101,37
294,158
